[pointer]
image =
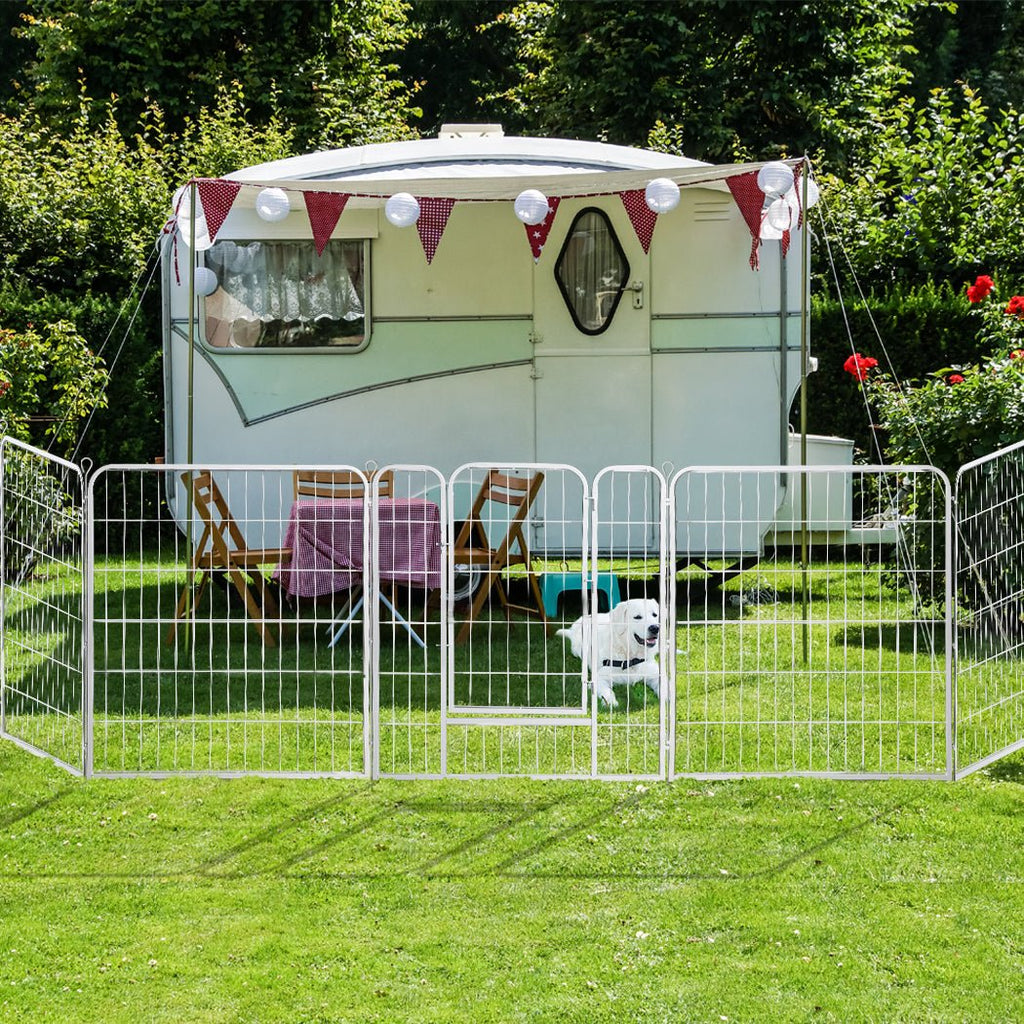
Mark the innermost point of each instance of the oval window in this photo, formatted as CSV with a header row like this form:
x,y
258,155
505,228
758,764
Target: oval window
x,y
591,271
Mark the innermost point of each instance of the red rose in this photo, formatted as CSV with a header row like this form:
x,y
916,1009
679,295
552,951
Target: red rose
x,y
1017,353
981,287
1015,307
858,365
955,378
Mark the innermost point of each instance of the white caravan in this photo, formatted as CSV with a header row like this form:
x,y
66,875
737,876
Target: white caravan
x,y
593,353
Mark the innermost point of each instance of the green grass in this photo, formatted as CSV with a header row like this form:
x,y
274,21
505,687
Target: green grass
x,y
850,679
258,901
261,901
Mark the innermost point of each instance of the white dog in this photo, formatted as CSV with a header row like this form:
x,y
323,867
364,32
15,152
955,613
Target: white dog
x,y
625,642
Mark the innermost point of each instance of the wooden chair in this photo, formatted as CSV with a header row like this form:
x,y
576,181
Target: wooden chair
x,y
222,548
339,483
473,548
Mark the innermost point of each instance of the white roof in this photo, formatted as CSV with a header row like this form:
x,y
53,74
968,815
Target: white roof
x,y
485,166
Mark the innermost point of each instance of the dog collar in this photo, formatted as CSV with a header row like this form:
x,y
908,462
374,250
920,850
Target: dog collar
x,y
609,663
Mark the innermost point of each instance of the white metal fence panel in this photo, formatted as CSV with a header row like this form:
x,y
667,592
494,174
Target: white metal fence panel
x,y
213,646
814,643
406,595
515,702
989,506
42,655
629,582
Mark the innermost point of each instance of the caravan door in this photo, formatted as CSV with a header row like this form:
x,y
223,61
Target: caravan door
x,y
592,354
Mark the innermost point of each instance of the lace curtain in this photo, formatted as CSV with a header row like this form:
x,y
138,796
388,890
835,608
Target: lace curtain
x,y
283,283
591,271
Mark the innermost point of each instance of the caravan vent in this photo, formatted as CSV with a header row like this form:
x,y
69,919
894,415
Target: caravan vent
x,y
471,131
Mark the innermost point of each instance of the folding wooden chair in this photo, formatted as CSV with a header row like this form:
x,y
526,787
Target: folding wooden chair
x,y
339,483
473,548
222,548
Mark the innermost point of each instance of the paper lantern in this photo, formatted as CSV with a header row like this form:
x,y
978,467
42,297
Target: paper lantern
x,y
662,195
796,194
531,206
203,239
780,215
205,281
775,179
272,204
769,232
402,210
186,224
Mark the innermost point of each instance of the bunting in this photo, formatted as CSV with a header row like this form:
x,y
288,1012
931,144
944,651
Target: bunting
x,y
217,195
537,234
750,199
641,216
324,209
434,214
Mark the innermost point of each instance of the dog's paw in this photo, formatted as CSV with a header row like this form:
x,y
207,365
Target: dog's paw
x,y
608,699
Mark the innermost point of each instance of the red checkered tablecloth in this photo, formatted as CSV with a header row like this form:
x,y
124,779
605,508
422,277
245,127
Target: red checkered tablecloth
x,y
326,538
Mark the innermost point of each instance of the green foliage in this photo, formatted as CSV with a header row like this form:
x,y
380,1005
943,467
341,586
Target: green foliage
x,y
937,193
49,381
725,80
962,411
321,66
923,327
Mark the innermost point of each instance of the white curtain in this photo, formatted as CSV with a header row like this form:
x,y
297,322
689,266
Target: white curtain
x,y
591,270
283,282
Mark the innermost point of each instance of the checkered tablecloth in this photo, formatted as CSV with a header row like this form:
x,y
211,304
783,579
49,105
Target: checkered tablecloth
x,y
326,538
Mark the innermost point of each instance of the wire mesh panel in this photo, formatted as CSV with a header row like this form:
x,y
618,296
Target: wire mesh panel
x,y
407,595
42,580
813,610
227,637
628,639
515,700
990,608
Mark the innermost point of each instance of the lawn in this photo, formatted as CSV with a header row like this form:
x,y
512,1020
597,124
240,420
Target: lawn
x,y
262,900
253,901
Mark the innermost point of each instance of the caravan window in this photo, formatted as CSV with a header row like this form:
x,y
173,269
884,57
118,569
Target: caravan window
x,y
591,271
283,295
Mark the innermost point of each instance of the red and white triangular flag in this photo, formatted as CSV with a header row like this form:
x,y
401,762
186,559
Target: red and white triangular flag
x,y
537,234
217,196
750,199
324,209
434,214
641,216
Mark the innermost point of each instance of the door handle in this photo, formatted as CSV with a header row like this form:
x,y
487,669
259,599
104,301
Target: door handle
x,y
637,288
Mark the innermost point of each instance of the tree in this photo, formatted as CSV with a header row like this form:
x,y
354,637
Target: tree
x,y
722,79
321,66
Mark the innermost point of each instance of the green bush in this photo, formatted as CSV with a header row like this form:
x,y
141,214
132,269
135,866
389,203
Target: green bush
x,y
922,329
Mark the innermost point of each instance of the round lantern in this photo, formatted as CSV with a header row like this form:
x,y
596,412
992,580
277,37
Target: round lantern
x,y
531,206
203,239
402,210
796,193
769,232
775,179
272,204
662,195
205,281
780,215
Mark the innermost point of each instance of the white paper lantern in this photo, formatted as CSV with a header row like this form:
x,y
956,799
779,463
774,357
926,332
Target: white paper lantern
x,y
780,215
531,206
662,195
272,204
402,210
203,239
775,179
796,194
205,281
769,232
